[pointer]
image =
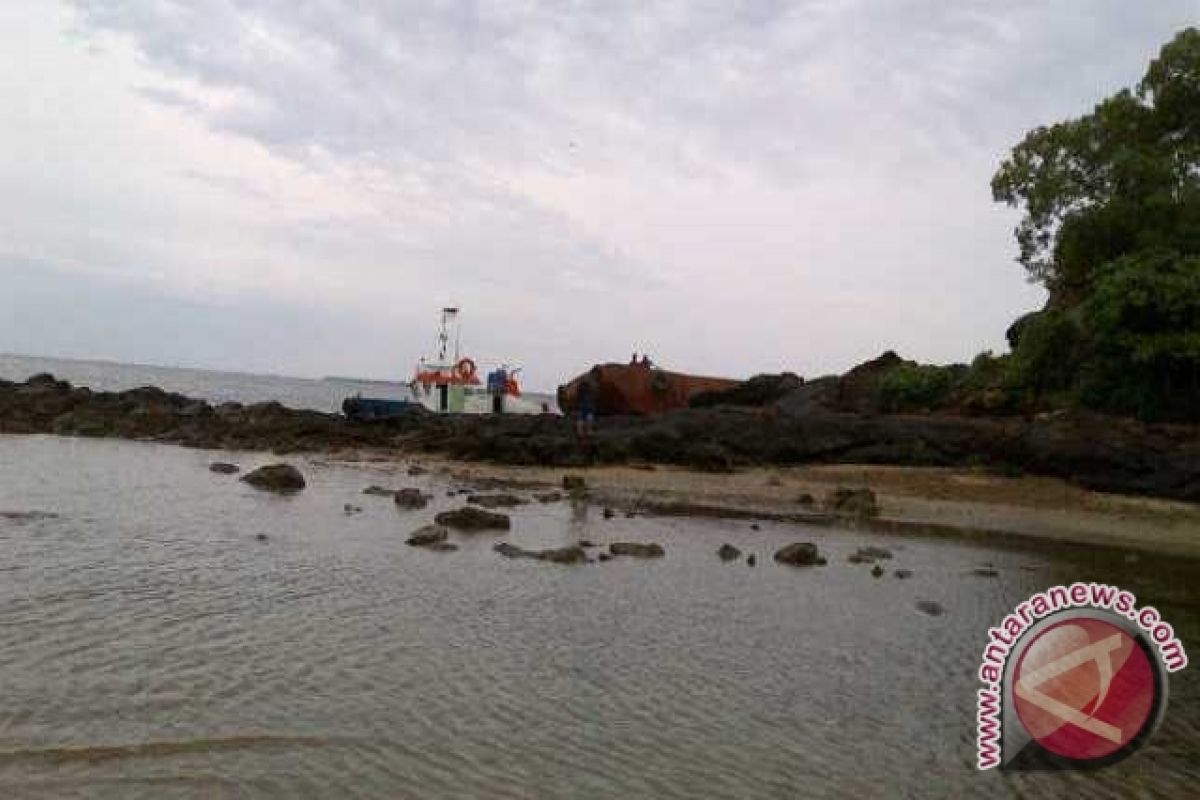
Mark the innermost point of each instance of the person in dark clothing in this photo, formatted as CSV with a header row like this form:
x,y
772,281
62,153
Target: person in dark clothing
x,y
585,401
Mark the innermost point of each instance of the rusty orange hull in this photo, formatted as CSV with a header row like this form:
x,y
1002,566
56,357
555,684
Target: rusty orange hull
x,y
637,389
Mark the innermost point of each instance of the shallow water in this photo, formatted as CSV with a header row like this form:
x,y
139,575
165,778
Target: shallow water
x,y
154,648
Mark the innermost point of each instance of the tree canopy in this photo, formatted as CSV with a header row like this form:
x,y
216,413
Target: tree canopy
x,y
1121,179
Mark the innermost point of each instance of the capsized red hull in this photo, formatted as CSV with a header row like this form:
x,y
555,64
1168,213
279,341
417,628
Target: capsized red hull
x,y
638,389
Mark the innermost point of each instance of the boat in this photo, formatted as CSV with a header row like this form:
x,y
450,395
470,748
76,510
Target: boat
x,y
450,382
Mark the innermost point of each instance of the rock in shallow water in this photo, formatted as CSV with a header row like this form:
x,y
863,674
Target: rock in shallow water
x,y
496,500
427,536
276,478
800,554
471,518
411,498
561,555
930,607
637,549
223,468
728,552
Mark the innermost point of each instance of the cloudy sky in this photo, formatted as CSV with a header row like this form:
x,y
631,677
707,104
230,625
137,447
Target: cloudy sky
x,y
736,187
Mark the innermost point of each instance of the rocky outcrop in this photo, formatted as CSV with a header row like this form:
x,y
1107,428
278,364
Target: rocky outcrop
x,y
819,422
637,549
800,554
470,518
761,390
276,478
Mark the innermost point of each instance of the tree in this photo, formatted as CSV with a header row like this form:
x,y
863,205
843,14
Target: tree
x,y
1123,178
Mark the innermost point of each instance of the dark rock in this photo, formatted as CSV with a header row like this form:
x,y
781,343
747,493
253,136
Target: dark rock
x,y
222,468
751,560
586,543
276,478
442,547
806,500
411,498
869,555
930,607
609,513
573,483
708,457
562,555
262,537
754,526
903,574
349,509
496,500
637,549
800,554
877,571
759,391
604,557
728,552
548,497
470,518
985,572
846,502
417,469
379,491
428,535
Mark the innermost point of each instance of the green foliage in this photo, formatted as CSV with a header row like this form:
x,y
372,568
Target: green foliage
x,y
1144,322
917,387
1112,228
1123,178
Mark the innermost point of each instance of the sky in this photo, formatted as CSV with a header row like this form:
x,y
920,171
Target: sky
x,y
733,187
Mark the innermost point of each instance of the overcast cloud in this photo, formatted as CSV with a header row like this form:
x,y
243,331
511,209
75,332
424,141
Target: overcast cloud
x,y
298,187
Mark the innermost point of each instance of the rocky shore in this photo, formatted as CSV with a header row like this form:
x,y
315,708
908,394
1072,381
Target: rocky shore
x,y
821,422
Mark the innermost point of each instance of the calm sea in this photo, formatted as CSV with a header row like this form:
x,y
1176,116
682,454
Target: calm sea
x,y
154,647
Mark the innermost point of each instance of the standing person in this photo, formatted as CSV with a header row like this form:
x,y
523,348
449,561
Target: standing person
x,y
585,401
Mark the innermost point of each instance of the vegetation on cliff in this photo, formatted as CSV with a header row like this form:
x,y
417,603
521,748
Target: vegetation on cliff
x,y
1111,227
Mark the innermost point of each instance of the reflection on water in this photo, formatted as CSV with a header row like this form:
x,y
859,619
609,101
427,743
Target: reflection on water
x,y
152,647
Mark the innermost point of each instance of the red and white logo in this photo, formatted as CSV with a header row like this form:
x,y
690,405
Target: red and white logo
x,y
1084,689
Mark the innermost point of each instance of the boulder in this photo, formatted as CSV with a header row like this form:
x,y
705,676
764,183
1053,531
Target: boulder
x,y
428,535
470,518
411,498
223,468
496,500
637,549
800,554
728,552
844,502
276,478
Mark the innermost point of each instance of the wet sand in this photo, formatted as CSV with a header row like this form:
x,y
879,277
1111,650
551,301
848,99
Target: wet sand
x,y
921,500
